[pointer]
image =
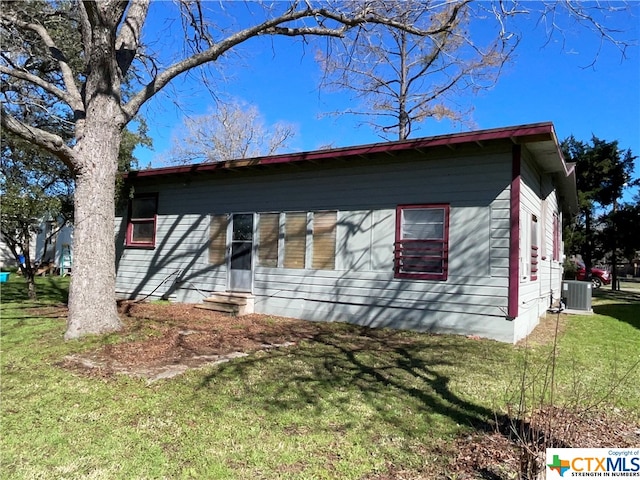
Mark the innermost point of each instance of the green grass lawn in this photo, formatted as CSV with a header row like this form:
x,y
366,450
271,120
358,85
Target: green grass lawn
x,y
347,405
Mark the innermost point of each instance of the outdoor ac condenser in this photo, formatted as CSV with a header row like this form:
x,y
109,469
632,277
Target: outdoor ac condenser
x,y
577,295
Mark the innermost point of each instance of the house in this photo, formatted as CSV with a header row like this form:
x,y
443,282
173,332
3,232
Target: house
x,y
6,257
456,233
52,245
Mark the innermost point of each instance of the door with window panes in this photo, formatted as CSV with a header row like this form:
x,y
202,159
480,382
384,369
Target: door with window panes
x,y
241,257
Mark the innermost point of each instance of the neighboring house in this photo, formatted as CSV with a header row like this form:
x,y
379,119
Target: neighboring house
x,y
52,244
7,260
456,233
6,257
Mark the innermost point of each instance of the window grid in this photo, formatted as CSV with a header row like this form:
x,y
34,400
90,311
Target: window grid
x,y
142,219
422,244
556,237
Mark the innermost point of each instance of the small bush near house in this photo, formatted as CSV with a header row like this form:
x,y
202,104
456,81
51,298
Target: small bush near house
x,y
569,270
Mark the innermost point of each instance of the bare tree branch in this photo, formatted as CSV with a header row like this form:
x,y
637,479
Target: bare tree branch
x,y
409,76
274,26
86,31
48,141
72,97
35,80
129,38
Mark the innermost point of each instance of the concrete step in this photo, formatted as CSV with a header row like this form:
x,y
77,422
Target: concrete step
x,y
229,302
219,307
232,298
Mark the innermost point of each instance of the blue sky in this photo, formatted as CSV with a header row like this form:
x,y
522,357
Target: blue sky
x,y
547,81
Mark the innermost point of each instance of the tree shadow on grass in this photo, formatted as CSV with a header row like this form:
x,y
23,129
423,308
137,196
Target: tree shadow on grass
x,y
37,311
625,296
394,384
48,290
392,372
625,313
53,294
626,307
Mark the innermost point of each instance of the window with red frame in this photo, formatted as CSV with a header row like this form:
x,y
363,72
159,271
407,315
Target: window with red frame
x,y
422,242
141,227
556,237
534,247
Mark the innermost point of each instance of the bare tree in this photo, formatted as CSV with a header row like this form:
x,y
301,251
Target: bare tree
x,y
89,80
234,130
400,79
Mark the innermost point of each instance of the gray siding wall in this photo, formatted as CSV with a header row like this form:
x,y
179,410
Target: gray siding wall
x,y
361,289
538,198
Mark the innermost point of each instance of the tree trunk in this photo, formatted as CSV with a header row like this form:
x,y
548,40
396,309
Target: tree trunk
x,y
614,246
31,286
588,253
92,307
403,116
27,270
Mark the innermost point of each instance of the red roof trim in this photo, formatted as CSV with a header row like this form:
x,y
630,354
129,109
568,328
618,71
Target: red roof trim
x,y
518,134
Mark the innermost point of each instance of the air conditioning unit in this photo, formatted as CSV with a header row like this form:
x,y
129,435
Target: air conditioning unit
x,y
577,295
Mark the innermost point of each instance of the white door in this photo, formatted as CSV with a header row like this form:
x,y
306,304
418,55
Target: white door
x,y
241,258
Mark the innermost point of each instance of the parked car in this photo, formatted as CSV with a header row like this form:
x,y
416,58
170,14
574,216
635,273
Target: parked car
x,y
599,277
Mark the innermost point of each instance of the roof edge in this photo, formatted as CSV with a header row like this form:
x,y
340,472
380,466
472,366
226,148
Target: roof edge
x,y
519,134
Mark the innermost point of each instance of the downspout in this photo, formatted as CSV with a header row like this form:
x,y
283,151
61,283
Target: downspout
x,y
514,234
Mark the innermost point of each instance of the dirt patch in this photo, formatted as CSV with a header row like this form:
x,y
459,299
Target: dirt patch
x,y
169,338
546,330
172,338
